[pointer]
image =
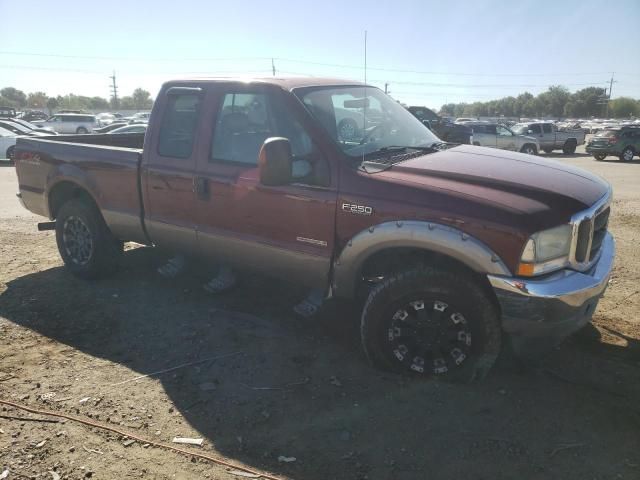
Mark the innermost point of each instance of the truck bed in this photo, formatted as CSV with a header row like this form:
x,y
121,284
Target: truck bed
x,y
105,165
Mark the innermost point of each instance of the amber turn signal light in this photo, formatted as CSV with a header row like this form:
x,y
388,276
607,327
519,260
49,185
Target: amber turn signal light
x,y
525,269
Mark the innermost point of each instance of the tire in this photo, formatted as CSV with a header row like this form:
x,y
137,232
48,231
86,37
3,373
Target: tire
x,y
82,131
599,156
547,150
529,149
347,129
476,326
627,154
86,245
10,155
569,147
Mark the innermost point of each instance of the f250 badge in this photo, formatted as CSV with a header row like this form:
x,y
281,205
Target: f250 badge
x,y
357,209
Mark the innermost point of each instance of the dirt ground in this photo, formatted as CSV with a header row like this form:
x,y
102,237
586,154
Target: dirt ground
x,y
293,388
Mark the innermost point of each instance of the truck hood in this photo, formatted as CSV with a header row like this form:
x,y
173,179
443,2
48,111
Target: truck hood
x,y
515,182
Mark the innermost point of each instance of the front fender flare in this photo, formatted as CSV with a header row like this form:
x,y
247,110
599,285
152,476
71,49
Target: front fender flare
x,y
434,237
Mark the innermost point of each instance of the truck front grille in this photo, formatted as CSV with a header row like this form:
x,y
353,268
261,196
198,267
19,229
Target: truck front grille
x,y
590,231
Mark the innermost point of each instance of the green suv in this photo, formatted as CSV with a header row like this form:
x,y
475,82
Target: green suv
x,y
623,142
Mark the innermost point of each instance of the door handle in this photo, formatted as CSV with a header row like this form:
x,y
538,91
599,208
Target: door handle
x,y
201,188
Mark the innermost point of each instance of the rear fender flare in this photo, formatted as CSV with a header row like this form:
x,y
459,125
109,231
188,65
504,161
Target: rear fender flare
x,y
429,236
70,173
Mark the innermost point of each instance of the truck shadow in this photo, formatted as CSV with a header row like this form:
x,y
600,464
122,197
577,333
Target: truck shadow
x,y
302,388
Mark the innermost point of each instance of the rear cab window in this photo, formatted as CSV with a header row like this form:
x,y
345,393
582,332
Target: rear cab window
x,y
179,124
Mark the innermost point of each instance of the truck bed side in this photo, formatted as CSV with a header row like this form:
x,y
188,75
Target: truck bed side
x,y
105,168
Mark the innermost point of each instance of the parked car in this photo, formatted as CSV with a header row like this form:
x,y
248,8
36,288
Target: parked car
x,y
465,120
18,129
623,142
111,126
70,123
450,251
31,115
495,135
105,119
31,126
7,112
7,144
136,128
443,128
140,117
550,138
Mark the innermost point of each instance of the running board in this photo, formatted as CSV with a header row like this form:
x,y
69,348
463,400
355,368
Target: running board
x,y
42,226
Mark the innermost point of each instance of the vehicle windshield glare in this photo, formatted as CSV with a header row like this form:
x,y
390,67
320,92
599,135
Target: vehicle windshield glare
x,y
364,120
520,129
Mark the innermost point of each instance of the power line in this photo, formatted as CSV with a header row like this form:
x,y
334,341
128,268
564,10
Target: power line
x,y
299,61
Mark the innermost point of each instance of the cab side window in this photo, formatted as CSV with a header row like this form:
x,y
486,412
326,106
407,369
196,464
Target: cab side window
x,y
246,119
177,131
546,128
536,128
491,129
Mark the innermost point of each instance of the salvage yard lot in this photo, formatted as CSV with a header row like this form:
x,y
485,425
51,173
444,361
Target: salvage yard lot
x,y
293,388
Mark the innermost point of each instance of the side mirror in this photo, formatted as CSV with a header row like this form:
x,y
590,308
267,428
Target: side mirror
x,y
427,124
529,132
275,161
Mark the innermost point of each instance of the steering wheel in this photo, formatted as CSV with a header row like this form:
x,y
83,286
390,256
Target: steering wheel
x,y
370,133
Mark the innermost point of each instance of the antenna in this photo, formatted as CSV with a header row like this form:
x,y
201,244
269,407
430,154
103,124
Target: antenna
x,y
364,113
273,68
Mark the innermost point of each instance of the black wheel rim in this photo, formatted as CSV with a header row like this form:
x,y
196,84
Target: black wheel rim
x,y
77,239
429,336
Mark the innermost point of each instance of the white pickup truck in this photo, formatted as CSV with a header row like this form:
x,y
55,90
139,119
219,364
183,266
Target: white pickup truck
x,y
550,138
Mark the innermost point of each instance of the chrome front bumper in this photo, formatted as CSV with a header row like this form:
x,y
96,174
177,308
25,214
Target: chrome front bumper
x,y
540,313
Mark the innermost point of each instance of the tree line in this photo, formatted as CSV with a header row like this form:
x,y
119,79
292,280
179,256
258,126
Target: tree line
x,y
140,99
557,102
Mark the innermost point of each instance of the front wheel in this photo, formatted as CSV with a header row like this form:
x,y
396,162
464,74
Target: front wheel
x,y
86,245
82,130
433,323
627,154
529,149
347,129
599,156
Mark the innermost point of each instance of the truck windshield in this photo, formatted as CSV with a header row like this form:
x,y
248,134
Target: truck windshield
x,y
520,128
363,120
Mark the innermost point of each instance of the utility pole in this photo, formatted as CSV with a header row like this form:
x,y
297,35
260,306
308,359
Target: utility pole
x,y
114,90
273,67
386,88
609,99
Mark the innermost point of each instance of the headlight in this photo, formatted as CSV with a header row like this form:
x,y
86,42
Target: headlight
x,y
546,251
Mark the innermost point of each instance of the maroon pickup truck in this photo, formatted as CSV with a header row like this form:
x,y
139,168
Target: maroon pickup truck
x,y
451,250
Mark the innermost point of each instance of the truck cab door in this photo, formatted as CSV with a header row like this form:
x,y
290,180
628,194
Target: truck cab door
x,y
285,231
168,170
535,130
548,138
505,138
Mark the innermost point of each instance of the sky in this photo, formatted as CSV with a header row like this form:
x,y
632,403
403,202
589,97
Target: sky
x,y
429,52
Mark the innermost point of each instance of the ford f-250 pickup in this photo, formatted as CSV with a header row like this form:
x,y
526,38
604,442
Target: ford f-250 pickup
x,y
451,250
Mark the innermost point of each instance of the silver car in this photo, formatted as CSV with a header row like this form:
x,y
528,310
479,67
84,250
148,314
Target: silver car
x,y
70,123
494,135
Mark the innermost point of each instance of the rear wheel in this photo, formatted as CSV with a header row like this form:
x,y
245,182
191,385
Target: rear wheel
x,y
86,245
432,323
11,154
529,149
627,154
82,130
569,147
599,156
